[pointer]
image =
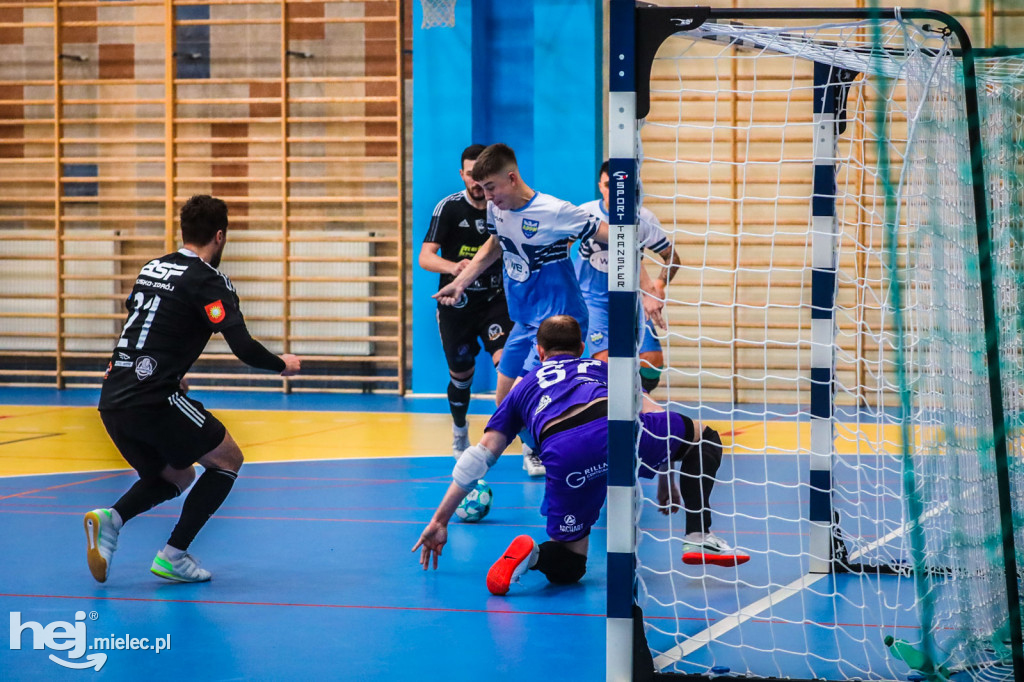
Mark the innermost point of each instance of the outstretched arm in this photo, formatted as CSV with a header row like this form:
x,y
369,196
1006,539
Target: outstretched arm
x,y
253,353
487,254
481,458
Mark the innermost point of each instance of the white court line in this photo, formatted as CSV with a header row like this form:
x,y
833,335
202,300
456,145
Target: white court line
x,y
679,652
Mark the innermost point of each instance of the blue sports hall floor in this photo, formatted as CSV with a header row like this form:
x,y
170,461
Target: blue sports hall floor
x,y
313,577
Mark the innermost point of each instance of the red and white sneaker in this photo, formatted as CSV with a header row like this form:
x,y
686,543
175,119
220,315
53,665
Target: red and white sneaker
x,y
514,562
705,548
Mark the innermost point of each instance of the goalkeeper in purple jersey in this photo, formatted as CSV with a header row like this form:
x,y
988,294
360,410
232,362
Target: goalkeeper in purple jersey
x,y
563,403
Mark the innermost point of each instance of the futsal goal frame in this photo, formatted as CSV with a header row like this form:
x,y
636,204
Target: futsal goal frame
x,y
636,31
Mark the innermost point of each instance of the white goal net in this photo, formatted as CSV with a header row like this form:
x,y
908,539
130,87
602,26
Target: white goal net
x,y
827,320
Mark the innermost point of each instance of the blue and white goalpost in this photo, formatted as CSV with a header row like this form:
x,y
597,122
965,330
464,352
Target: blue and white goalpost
x,y
623,369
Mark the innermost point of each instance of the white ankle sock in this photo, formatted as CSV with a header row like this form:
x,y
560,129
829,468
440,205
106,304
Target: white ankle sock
x,y
173,553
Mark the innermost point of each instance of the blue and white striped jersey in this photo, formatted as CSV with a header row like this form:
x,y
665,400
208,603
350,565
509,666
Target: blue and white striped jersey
x,y
539,276
592,268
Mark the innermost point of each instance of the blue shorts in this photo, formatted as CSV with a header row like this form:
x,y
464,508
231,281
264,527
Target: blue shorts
x,y
597,338
520,353
576,460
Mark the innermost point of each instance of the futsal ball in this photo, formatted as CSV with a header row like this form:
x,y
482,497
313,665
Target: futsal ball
x,y
476,504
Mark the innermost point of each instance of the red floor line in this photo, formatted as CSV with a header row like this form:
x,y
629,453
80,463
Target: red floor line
x,y
63,485
303,605
336,427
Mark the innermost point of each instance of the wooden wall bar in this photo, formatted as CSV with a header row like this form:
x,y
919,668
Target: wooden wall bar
x,y
113,113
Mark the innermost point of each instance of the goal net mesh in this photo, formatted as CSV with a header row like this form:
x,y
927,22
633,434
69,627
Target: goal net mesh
x,y
732,157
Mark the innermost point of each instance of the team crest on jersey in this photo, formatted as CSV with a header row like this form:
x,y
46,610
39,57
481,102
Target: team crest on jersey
x,y
144,367
494,332
545,400
481,226
215,311
596,337
530,227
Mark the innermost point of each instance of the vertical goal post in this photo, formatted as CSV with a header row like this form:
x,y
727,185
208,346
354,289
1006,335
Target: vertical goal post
x,y
637,31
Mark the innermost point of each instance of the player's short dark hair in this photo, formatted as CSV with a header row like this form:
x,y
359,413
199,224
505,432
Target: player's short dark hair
x,y
201,217
493,160
472,152
603,171
560,333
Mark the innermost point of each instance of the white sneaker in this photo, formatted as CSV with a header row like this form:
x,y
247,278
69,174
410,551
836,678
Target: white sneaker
x,y
460,440
185,569
707,548
101,541
531,462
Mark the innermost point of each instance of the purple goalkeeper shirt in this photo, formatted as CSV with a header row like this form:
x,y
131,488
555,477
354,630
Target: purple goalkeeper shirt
x,y
561,382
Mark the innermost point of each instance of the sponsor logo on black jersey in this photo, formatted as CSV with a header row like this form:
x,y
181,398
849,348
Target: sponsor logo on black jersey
x,y
162,271
144,367
463,223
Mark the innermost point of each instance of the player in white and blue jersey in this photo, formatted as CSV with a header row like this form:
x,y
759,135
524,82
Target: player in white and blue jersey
x,y
563,403
592,270
532,232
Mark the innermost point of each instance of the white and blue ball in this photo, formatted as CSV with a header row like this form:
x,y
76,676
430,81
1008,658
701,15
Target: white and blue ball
x,y
476,504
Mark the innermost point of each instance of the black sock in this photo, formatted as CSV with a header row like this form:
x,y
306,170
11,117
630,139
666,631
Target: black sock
x,y
458,398
206,497
560,564
145,494
699,467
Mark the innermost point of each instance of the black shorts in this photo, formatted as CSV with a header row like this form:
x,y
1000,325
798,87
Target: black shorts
x,y
175,434
461,327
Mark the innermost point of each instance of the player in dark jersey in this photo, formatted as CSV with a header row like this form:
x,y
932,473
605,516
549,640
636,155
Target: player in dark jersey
x,y
563,403
457,230
178,301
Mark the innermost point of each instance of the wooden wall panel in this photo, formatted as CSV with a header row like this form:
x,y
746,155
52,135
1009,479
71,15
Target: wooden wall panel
x,y
113,114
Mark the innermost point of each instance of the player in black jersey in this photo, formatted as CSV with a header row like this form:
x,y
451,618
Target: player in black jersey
x,y
177,302
457,230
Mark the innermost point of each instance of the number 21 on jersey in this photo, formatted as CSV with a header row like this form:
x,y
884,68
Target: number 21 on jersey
x,y
139,303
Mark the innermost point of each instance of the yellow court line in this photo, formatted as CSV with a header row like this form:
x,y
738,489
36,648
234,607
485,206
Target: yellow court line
x,y
49,439
35,440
